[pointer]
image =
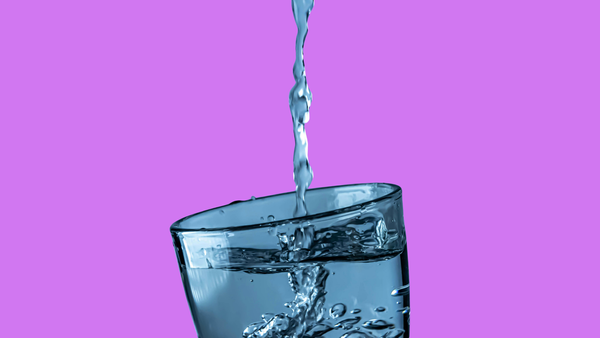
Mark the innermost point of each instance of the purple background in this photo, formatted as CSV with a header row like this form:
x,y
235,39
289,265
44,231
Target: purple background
x,y
119,117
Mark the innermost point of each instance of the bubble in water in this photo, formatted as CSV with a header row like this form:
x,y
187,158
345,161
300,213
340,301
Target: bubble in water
x,y
271,218
348,323
337,310
377,324
394,333
404,310
319,330
380,309
355,311
401,291
252,280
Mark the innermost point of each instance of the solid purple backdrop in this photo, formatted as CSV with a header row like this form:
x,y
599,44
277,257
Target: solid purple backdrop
x,y
119,117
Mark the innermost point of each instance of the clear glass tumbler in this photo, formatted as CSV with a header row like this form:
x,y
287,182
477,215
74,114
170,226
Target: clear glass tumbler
x,y
250,269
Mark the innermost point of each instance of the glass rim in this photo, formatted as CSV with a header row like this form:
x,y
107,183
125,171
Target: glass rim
x,y
395,190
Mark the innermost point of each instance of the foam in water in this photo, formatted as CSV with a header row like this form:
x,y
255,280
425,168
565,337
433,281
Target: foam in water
x,y
300,100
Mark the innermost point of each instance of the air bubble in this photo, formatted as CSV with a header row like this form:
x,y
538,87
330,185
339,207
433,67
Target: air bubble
x,y
252,280
271,218
347,324
401,291
377,324
337,310
380,309
397,333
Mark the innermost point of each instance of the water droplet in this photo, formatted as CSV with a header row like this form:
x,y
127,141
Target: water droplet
x,y
328,235
262,218
377,324
348,232
347,323
218,245
252,280
222,212
337,310
355,311
396,333
333,273
380,309
405,290
271,218
253,198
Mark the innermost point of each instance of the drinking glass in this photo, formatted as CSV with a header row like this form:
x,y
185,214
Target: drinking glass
x,y
251,269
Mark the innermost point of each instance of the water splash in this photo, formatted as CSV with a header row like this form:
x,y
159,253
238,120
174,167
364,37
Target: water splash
x,y
300,99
